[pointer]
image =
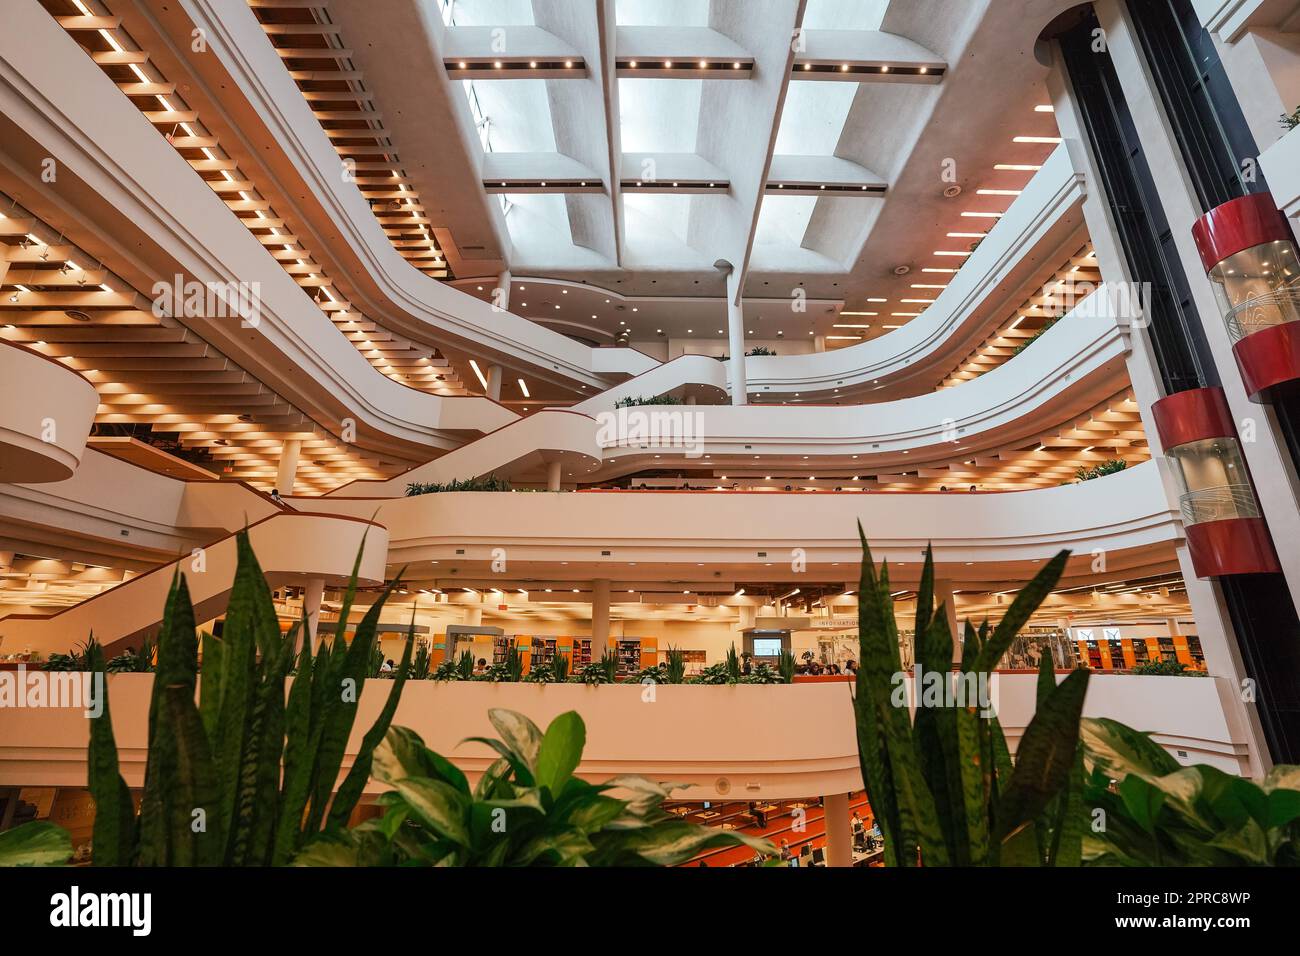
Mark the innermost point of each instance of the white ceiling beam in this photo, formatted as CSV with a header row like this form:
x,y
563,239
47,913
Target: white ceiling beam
x,y
678,43
738,128
579,122
885,57
536,166
607,21
800,174
514,42
667,167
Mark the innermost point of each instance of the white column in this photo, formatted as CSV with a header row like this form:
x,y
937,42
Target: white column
x,y
288,470
494,382
819,343
839,832
502,291
1214,626
474,615
4,261
6,559
553,475
748,613
736,340
311,598
599,617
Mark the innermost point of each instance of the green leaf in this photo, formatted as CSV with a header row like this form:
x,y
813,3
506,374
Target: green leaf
x,y
38,843
1027,601
113,837
560,750
1121,750
439,806
518,733
1142,800
1044,758
350,790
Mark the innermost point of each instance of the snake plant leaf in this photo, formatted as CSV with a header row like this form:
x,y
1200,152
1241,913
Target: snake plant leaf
x,y
1070,824
1044,758
300,737
934,732
974,797
349,792
210,684
114,832
560,750
241,633
1121,750
177,667
340,708
925,597
439,806
38,843
256,809
1046,678
193,803
1027,601
970,647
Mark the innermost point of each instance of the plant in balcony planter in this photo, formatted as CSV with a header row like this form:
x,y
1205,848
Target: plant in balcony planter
x,y
675,666
420,664
787,666
1108,467
465,665
528,809
944,788
543,673
761,350
486,483
717,673
1290,121
258,770
733,665
138,661
1165,669
77,659
652,400
446,671
1152,811
594,672
654,674
762,673
560,665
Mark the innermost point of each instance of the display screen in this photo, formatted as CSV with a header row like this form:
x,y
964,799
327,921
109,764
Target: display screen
x,y
767,647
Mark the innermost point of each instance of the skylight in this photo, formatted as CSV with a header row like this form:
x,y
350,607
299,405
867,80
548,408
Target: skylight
x,y
517,114
784,220
659,116
844,14
814,116
662,13
487,13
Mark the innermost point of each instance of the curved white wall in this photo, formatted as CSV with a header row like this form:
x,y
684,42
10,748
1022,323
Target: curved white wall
x,y
1130,510
768,742
289,546
41,440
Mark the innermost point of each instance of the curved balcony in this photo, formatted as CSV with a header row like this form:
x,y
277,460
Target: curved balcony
x,y
41,441
779,741
290,546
